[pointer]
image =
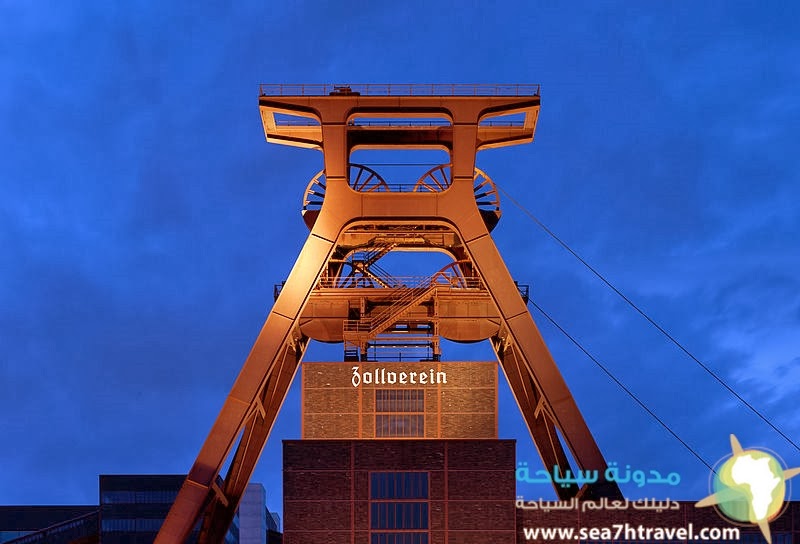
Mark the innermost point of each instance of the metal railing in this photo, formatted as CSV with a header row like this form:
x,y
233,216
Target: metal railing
x,y
383,188
401,122
410,122
406,282
416,354
377,323
408,294
399,89
409,281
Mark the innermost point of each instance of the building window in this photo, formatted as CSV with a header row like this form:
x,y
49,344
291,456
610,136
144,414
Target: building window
x,y
399,413
139,497
399,515
140,525
399,502
398,485
399,400
399,538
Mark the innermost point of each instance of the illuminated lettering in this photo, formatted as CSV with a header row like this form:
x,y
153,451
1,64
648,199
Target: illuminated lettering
x,y
381,376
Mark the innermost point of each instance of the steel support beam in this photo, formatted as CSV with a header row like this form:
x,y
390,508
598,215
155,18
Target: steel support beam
x,y
531,361
222,507
534,410
264,380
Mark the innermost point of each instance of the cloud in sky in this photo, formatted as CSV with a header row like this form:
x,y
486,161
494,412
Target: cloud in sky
x,y
143,220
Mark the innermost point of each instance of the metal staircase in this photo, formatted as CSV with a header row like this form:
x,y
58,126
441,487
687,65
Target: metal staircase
x,y
374,331
407,298
364,267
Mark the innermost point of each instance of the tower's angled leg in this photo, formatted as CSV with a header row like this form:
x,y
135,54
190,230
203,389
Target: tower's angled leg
x,y
542,430
536,368
263,366
222,508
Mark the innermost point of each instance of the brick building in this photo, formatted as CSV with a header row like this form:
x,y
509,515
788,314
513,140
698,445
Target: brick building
x,y
383,460
399,453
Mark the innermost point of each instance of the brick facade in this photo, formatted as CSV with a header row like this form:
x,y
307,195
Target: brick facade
x,y
327,488
463,407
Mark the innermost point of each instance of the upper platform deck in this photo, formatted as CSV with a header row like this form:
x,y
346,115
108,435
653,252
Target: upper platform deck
x,y
399,89
399,114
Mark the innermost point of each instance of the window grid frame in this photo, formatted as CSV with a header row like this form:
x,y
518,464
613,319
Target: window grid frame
x,y
402,491
400,413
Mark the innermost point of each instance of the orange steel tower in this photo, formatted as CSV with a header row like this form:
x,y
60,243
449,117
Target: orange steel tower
x,y
335,292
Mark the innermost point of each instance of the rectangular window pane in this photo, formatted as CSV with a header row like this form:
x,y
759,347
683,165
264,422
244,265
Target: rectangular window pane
x,y
399,515
392,507
399,400
399,485
399,425
400,538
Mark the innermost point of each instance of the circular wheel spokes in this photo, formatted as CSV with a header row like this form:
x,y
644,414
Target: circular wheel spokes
x,y
361,178
440,177
312,200
435,180
366,180
486,195
453,275
315,193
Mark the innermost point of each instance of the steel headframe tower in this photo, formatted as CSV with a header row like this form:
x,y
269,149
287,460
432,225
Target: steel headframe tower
x,y
355,217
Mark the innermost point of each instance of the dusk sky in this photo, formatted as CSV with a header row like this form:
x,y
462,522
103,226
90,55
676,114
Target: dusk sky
x,y
144,219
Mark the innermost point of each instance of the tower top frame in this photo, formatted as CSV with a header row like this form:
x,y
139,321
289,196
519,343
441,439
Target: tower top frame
x,y
411,115
399,89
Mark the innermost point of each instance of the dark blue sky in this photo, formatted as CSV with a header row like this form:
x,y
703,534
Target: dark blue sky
x,y
144,220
